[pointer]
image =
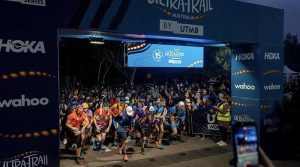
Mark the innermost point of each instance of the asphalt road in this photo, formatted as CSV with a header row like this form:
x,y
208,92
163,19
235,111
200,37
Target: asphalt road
x,y
195,151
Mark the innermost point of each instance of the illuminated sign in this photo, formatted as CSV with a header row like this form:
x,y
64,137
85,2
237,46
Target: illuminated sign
x,y
157,55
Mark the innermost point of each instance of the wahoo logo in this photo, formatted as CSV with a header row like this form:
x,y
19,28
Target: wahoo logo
x,y
30,2
23,102
18,46
245,87
272,87
272,56
244,56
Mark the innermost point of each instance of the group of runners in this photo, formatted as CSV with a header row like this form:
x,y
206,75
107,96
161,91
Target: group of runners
x,y
143,116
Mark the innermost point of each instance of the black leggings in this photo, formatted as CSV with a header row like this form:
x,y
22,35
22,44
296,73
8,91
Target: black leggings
x,y
224,133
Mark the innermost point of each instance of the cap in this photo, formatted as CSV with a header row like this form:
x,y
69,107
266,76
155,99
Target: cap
x,y
106,104
85,105
151,108
206,97
181,103
129,111
188,101
127,100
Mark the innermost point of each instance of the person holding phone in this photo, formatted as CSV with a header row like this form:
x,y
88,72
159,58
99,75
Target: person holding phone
x,y
223,117
246,146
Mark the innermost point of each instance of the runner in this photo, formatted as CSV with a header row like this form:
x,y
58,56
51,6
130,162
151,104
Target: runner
x,y
88,130
159,118
124,122
103,121
77,122
143,117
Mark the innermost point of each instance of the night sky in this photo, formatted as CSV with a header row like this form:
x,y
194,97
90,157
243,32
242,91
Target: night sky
x,y
291,12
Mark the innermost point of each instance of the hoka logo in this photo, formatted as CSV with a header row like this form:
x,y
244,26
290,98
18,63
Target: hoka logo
x,y
24,102
245,87
272,56
18,46
244,56
272,87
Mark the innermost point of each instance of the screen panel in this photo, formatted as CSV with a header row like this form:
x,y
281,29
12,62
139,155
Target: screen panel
x,y
161,55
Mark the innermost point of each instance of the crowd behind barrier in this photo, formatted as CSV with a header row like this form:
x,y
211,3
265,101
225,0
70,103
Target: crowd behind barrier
x,y
147,113
291,109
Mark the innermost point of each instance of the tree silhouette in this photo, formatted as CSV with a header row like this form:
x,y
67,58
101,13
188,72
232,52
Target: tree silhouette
x,y
292,52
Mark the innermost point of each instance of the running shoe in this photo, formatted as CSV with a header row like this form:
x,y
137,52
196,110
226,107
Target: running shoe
x,y
78,162
223,143
125,158
142,151
160,145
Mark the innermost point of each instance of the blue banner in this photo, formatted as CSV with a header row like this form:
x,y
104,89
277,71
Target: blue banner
x,y
205,123
29,84
209,19
245,72
257,88
271,65
245,110
157,55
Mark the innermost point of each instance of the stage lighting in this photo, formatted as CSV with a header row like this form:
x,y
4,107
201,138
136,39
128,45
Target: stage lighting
x,y
97,41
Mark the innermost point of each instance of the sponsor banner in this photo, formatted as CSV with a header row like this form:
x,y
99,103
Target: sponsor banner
x,y
271,114
119,16
245,87
272,88
30,2
26,159
245,75
179,28
24,50
18,46
205,123
194,19
24,102
245,110
29,84
244,58
158,55
28,77
272,60
272,123
28,13
272,57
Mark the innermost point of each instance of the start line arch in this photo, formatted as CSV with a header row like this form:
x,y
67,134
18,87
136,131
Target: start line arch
x,y
29,60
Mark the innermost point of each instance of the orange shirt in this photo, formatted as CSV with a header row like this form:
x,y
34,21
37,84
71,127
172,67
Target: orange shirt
x,y
76,120
104,118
